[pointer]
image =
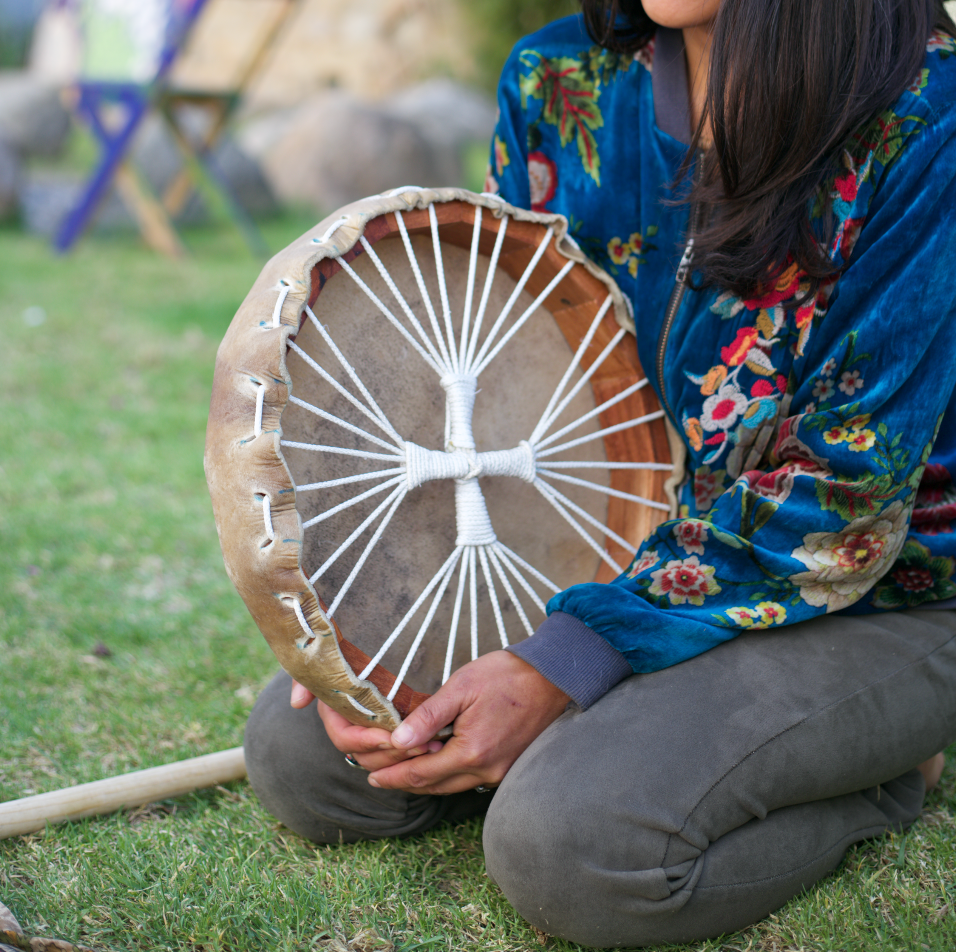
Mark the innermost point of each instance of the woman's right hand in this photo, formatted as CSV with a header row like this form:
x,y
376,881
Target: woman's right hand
x,y
370,746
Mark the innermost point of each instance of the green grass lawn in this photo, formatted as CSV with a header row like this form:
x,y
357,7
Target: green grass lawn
x,y
107,538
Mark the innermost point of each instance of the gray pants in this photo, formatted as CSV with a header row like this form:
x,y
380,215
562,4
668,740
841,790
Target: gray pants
x,y
683,804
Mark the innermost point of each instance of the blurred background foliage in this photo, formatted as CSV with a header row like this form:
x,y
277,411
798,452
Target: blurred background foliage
x,y
499,24
17,18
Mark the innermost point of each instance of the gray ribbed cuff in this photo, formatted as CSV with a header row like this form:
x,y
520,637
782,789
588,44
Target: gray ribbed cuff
x,y
574,658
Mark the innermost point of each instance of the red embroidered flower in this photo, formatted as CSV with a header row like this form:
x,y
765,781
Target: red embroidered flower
x,y
914,579
805,314
707,487
721,411
691,534
785,287
647,561
736,353
618,251
847,187
762,388
846,237
858,551
543,179
684,580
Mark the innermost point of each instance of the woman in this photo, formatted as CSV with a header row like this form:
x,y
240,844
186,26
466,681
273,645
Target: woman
x,y
772,185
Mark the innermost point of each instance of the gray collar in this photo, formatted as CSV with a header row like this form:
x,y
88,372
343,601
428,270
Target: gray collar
x,y
671,97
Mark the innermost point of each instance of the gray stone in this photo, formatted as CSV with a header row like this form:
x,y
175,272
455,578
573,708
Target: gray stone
x,y
334,149
448,114
33,120
9,180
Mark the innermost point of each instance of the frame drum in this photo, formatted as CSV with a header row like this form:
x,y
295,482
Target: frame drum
x,y
428,416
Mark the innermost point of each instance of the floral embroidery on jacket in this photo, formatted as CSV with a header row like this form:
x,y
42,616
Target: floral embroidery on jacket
x,y
684,580
917,577
502,160
733,406
631,252
543,180
570,103
935,508
843,566
809,420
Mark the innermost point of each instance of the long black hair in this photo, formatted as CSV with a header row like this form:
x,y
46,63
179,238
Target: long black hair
x,y
790,81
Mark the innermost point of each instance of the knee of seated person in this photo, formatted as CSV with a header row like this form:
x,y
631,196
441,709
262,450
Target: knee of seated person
x,y
270,730
577,875
285,778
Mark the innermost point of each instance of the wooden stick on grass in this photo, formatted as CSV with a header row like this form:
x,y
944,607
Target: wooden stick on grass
x,y
29,814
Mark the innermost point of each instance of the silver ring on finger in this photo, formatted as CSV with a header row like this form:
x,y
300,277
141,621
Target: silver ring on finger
x,y
352,762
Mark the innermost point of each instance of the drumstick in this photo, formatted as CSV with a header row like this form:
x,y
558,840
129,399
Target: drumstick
x,y
30,814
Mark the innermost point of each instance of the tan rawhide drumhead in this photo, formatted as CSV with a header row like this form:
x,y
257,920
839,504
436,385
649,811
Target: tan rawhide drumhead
x,y
428,416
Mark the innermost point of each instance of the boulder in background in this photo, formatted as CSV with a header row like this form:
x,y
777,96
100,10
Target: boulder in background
x,y
33,120
335,148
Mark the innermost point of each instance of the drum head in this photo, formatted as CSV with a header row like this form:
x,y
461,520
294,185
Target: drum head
x,y
465,431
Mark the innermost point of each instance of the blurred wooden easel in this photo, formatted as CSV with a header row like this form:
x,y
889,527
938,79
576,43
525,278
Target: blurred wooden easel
x,y
168,57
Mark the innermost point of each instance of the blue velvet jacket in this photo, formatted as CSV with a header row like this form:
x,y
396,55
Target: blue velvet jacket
x,y
821,439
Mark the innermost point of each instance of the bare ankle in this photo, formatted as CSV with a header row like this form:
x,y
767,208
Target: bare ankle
x,y
932,770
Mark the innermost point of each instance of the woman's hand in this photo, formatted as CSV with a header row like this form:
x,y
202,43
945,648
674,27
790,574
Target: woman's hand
x,y
369,746
499,704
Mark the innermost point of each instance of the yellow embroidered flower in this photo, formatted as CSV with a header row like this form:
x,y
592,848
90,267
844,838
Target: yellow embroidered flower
x,y
632,265
713,379
619,251
836,434
695,432
861,440
502,159
742,617
770,613
858,422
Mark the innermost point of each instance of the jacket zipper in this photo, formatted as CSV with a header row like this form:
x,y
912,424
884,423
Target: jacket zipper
x,y
677,294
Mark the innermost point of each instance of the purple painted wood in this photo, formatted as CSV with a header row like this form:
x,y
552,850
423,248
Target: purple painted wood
x,y
136,98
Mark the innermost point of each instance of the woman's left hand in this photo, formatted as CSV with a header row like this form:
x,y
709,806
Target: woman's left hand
x,y
499,704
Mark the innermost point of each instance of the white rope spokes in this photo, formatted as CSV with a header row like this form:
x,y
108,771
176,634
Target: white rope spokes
x,y
458,357
398,492
607,431
470,292
607,490
542,426
430,357
552,498
345,480
354,501
329,379
423,290
319,412
515,294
